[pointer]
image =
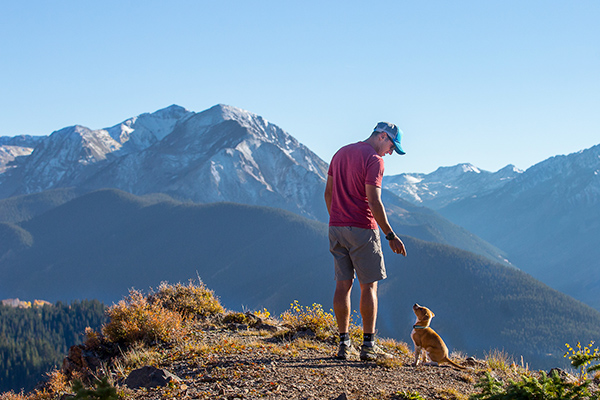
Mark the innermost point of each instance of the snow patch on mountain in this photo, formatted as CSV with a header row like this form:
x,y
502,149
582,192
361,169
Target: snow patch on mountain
x,y
141,132
8,155
448,184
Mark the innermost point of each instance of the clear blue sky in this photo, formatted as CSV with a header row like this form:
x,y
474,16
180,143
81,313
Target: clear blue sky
x,y
486,82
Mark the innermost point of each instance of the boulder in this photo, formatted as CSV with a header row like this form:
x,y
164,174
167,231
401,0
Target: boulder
x,y
150,377
81,361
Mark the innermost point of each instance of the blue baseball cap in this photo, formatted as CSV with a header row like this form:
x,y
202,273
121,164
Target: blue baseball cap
x,y
393,133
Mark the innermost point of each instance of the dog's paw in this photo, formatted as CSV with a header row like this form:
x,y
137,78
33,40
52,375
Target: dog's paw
x,y
432,364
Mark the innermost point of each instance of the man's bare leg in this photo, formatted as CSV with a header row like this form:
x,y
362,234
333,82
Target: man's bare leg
x,y
341,304
368,306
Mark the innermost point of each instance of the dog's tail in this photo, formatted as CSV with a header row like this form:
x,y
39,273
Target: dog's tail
x,y
449,361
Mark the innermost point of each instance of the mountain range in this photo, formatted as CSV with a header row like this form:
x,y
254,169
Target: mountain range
x,y
221,154
174,176
448,184
546,219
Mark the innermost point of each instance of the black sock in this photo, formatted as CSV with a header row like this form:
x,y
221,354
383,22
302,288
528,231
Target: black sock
x,y
368,339
345,338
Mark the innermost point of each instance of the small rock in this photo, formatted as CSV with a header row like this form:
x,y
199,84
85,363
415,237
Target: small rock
x,y
473,362
342,396
150,377
304,334
267,327
253,319
239,327
564,375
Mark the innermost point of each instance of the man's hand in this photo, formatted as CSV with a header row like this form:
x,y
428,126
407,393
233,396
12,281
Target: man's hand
x,y
397,246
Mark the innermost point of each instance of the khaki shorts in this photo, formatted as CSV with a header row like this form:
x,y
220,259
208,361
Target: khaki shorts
x,y
356,250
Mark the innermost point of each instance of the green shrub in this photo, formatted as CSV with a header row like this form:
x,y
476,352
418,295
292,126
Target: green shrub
x,y
583,357
544,388
135,319
187,300
103,391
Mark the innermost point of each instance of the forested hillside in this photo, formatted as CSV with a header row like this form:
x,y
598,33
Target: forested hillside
x,y
34,340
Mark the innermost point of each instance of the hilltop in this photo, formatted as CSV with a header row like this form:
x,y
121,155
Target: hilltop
x,y
208,352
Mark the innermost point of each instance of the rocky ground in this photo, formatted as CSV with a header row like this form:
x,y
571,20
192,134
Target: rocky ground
x,y
249,366
237,362
148,351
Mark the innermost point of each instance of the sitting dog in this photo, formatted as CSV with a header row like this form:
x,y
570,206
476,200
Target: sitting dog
x,y
426,339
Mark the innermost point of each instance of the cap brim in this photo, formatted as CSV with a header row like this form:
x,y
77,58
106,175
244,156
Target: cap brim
x,y
398,148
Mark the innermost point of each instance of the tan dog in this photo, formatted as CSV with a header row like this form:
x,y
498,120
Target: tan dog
x,y
426,339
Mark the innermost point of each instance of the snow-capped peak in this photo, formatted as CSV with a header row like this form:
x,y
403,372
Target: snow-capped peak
x,y
448,184
140,132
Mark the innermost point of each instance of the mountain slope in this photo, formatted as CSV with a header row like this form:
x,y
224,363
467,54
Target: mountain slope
x,y
426,224
21,208
547,220
101,244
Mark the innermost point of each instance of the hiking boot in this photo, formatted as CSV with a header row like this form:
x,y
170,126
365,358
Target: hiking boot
x,y
345,352
372,353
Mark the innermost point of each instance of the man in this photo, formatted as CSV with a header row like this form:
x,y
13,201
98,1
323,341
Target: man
x,y
353,198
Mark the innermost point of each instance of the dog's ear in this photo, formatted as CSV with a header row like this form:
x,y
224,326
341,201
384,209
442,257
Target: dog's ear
x,y
432,314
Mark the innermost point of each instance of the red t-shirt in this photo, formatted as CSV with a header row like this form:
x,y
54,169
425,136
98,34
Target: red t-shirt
x,y
351,168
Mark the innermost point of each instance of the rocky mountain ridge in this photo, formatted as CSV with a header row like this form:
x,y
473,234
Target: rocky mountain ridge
x,y
221,154
448,184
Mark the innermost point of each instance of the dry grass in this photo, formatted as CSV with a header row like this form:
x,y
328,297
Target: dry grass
x,y
238,318
499,359
452,394
58,382
395,346
390,363
313,318
135,319
138,356
13,396
189,301
399,350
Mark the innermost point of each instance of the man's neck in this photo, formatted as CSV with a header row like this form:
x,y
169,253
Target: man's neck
x,y
373,142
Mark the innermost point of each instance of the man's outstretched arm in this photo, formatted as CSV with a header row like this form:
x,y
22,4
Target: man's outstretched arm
x,y
378,210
